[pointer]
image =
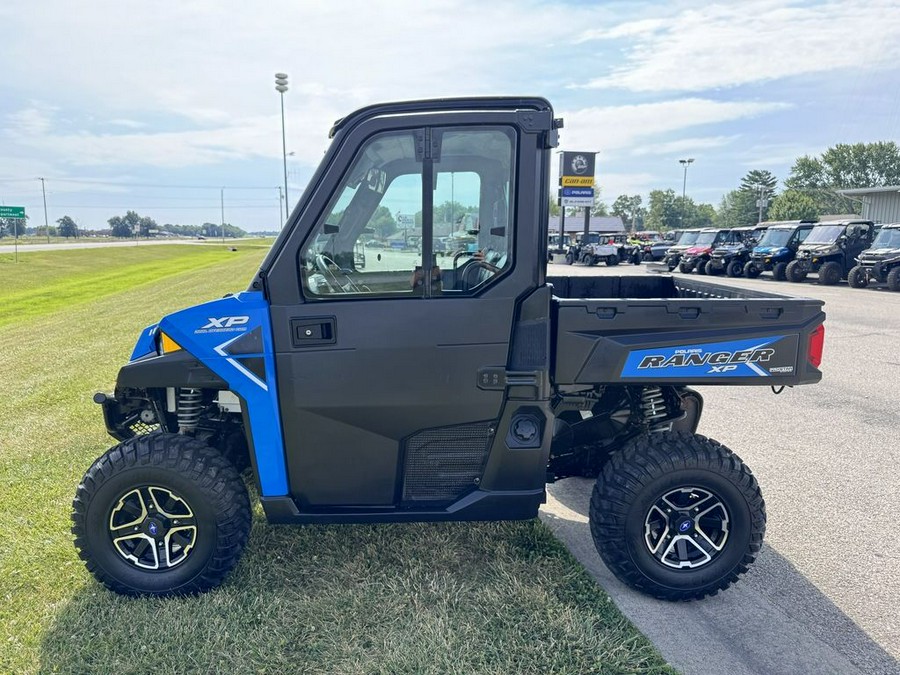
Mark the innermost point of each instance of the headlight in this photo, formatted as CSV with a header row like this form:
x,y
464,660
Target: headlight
x,y
167,344
768,260
815,260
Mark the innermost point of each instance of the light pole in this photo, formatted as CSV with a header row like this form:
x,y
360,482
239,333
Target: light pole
x,y
46,223
222,203
685,163
281,86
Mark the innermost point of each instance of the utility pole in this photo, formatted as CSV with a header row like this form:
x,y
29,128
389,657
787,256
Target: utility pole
x,y
281,86
280,199
685,163
761,201
46,223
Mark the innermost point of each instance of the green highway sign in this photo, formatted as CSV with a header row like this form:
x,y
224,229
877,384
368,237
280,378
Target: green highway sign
x,y
12,211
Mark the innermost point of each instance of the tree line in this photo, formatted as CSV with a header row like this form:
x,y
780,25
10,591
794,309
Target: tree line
x,y
130,225
810,191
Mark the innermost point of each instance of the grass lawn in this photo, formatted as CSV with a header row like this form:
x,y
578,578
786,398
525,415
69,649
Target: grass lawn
x,y
418,598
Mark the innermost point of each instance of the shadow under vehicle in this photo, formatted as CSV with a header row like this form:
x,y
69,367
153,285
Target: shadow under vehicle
x,y
880,263
777,248
830,250
731,258
408,391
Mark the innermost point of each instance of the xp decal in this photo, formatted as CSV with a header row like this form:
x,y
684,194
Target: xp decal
x,y
755,357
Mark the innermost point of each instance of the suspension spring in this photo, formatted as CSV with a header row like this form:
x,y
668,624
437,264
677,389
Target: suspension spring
x,y
190,405
654,409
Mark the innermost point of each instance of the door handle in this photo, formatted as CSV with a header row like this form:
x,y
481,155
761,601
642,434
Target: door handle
x,y
313,331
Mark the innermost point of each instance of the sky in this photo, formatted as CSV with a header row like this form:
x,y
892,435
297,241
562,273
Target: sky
x,y
170,109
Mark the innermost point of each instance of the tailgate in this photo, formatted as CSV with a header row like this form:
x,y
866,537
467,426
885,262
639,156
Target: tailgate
x,y
694,333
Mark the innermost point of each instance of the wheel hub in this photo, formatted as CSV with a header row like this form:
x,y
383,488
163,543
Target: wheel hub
x,y
152,528
686,528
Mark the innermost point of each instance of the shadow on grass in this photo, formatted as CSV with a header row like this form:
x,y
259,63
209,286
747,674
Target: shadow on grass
x,y
417,598
773,620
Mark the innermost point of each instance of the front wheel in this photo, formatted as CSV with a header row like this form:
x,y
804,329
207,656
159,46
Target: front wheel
x,y
857,277
893,279
795,273
830,273
734,268
161,514
751,271
671,264
779,271
612,260
677,515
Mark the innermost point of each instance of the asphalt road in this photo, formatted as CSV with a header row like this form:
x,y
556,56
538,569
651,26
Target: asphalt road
x,y
824,594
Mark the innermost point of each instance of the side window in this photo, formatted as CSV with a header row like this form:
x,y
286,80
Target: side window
x,y
802,235
370,240
473,237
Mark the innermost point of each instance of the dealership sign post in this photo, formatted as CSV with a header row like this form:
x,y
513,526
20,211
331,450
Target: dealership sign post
x,y
576,181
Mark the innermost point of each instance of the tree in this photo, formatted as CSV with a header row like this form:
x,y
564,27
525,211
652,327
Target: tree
x,y
599,207
146,224
67,227
845,166
662,212
793,205
761,185
383,222
119,227
13,227
628,208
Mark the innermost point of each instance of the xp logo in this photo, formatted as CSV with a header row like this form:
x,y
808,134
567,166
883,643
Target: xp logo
x,y
579,164
226,322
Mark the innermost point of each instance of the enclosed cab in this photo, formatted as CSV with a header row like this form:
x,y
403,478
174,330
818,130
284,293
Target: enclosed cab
x,y
699,253
777,248
658,248
830,251
880,263
730,258
675,252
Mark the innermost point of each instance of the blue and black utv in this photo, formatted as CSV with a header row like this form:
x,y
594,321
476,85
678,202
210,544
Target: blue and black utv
x,y
777,248
879,264
406,390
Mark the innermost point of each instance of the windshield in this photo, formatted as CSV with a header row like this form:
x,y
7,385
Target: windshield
x,y
887,239
776,238
706,238
688,238
825,234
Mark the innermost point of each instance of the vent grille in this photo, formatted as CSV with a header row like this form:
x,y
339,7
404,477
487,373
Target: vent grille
x,y
444,463
141,428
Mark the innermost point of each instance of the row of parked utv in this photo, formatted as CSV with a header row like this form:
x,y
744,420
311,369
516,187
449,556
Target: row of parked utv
x,y
859,251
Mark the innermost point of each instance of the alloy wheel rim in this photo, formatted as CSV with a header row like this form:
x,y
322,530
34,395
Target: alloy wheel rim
x,y
152,528
687,527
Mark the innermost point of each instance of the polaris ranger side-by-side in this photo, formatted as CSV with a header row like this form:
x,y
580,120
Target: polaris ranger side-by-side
x,y
730,258
777,248
675,252
881,263
697,255
831,250
412,391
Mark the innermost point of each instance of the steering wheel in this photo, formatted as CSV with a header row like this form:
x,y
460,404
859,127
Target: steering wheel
x,y
473,264
338,280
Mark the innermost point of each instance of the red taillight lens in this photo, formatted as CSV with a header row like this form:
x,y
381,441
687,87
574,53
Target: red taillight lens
x,y
816,343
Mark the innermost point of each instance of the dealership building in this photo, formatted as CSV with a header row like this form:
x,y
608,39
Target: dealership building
x,y
879,204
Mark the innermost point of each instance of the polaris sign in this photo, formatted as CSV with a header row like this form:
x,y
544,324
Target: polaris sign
x,y
756,357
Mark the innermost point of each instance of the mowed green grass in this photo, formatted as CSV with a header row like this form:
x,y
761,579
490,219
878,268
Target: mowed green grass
x,y
418,598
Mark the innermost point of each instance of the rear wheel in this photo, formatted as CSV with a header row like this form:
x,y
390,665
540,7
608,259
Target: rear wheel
x,y
779,272
677,515
734,268
702,267
671,264
751,271
830,273
893,279
161,514
795,273
612,260
684,269
857,278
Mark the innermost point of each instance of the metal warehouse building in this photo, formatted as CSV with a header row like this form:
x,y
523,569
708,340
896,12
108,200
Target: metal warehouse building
x,y
880,204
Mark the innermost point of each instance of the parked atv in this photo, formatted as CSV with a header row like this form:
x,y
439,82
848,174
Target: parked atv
x,y
831,250
731,258
696,257
657,250
674,253
777,248
881,263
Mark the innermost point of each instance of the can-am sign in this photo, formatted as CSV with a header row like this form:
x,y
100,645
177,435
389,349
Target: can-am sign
x,y
576,170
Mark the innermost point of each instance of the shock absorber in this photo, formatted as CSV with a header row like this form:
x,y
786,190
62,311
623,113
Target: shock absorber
x,y
654,409
190,405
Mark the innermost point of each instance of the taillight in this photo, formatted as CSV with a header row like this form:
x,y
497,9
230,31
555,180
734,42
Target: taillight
x,y
816,343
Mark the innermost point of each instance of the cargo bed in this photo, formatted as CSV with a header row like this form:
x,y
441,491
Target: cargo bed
x,y
658,328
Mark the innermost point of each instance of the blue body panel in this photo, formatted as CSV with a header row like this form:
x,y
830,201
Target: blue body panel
x,y
146,344
736,358
233,338
771,251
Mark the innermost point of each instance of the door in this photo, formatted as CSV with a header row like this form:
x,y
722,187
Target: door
x,y
379,386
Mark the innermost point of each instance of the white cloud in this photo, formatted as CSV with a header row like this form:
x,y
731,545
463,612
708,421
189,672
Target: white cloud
x,y
621,127
727,45
684,145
